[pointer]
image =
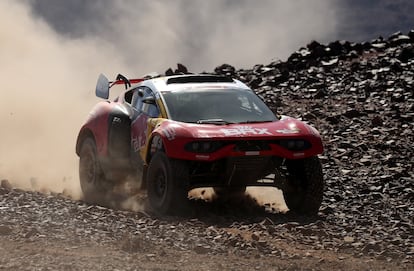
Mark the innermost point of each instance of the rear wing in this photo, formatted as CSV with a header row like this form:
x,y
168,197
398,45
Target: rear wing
x,y
103,85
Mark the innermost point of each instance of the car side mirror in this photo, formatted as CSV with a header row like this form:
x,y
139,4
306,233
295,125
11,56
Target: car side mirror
x,y
149,100
140,93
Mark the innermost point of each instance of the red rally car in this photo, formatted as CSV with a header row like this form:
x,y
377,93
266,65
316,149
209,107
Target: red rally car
x,y
176,133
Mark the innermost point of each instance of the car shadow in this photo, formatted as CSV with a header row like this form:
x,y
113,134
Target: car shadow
x,y
216,211
242,210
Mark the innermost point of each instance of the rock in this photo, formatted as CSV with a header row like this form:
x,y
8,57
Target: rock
x,y
181,69
399,39
330,62
376,121
337,48
352,113
317,50
133,245
31,233
202,249
225,69
411,35
5,230
6,185
169,72
406,54
255,236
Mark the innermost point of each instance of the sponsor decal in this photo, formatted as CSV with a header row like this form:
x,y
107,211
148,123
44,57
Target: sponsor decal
x,y
140,129
136,143
170,133
202,157
292,129
288,131
117,119
245,130
203,135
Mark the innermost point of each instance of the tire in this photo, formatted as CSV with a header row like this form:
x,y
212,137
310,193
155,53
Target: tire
x,y
303,193
91,176
167,185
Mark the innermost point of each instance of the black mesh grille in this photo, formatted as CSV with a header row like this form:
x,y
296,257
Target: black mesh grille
x,y
246,169
251,145
247,163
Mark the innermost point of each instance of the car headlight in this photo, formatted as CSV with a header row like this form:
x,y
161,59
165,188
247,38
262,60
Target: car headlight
x,y
203,146
295,144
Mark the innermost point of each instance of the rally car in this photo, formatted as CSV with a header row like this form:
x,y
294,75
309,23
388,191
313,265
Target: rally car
x,y
176,133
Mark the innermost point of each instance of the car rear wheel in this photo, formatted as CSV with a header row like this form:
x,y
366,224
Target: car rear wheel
x,y
91,177
303,192
167,184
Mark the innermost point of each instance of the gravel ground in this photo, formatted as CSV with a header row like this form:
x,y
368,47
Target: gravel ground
x,y
358,95
40,232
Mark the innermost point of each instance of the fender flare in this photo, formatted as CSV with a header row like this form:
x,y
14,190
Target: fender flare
x,y
155,143
83,134
119,134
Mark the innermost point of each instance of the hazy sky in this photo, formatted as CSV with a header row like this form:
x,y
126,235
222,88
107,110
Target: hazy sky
x,y
52,51
204,34
151,35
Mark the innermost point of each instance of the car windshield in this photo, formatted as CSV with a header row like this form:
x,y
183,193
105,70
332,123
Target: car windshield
x,y
217,106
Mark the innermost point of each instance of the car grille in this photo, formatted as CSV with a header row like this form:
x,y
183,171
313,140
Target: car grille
x,y
251,145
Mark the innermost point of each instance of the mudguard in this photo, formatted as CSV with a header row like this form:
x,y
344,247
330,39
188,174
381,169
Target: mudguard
x,y
109,124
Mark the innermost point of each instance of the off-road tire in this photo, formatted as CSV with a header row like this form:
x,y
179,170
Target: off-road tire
x,y
167,185
303,192
91,176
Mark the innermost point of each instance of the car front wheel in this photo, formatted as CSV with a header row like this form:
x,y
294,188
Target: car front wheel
x,y
167,184
304,190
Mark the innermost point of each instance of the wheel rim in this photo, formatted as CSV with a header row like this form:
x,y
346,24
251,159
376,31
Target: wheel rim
x,y
90,170
88,173
160,185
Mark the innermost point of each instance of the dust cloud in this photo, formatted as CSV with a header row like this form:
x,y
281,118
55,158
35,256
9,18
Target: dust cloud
x,y
46,93
49,72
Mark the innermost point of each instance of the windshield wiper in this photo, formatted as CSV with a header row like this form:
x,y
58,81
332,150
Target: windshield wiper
x,y
214,121
255,121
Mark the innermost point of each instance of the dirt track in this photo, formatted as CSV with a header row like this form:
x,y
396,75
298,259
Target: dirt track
x,y
40,232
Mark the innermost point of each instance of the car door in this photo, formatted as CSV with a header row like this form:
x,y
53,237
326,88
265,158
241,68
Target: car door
x,y
145,107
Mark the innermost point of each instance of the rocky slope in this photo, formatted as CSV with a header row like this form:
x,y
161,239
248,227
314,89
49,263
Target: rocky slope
x,y
359,96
